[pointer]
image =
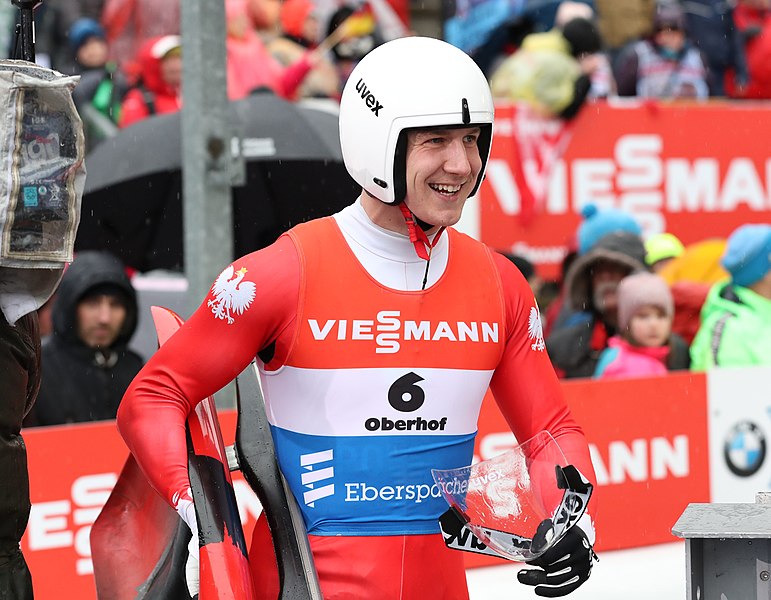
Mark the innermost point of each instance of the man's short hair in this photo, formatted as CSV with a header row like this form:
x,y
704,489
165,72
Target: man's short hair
x,y
106,289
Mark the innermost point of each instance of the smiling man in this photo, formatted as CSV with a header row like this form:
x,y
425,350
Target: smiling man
x,y
377,333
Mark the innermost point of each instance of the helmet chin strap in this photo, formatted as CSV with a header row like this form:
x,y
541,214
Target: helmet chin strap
x,y
418,237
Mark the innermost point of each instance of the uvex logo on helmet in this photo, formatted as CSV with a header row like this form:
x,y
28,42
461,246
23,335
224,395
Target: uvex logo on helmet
x,y
368,97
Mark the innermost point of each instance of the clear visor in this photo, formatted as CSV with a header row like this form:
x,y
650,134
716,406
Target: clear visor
x,y
519,503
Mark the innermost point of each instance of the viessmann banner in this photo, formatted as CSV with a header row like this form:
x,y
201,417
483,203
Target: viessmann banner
x,y
697,170
657,444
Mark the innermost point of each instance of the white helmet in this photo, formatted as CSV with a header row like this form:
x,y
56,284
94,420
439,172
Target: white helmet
x,y
404,84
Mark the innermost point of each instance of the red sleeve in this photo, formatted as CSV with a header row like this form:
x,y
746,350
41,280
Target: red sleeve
x,y
293,76
525,385
115,17
201,358
133,108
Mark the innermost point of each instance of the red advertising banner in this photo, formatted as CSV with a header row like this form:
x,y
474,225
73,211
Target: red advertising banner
x,y
697,170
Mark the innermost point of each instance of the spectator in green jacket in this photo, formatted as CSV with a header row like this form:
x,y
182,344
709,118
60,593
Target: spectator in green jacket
x,y
736,317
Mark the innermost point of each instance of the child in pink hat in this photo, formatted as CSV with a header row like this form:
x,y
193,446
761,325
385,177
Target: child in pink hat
x,y
642,346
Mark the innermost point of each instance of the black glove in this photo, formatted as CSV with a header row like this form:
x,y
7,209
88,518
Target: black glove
x,y
573,554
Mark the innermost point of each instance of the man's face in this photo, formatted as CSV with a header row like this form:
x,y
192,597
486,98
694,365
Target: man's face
x,y
605,279
442,169
100,319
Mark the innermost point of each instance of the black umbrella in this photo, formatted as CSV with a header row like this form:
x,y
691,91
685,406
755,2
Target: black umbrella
x,y
132,204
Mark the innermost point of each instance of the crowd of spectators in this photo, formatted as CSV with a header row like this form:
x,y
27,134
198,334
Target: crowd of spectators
x,y
128,53
553,56
634,308
662,49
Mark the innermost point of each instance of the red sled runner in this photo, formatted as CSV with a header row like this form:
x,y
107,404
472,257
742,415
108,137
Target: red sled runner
x,y
139,543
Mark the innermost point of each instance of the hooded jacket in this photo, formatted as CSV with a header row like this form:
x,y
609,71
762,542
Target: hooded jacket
x,y
80,383
154,95
735,329
581,334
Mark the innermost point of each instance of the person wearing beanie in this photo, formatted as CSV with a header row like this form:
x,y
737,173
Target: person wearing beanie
x,y
159,89
735,326
88,43
598,223
299,22
589,315
644,343
86,363
102,86
690,277
660,249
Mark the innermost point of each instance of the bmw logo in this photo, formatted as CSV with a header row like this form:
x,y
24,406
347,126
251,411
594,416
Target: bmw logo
x,y
745,449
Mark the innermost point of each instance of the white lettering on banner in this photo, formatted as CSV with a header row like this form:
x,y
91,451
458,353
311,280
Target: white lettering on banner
x,y
557,197
388,330
593,182
637,157
502,181
666,457
742,185
47,527
51,524
640,180
692,186
67,523
642,460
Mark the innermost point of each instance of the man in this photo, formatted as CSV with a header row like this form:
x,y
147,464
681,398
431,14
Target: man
x,y
736,317
86,364
369,316
589,318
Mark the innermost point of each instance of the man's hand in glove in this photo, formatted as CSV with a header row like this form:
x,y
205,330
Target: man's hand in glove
x,y
563,567
186,511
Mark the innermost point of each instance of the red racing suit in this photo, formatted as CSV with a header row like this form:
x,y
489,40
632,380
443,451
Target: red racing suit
x,y
367,388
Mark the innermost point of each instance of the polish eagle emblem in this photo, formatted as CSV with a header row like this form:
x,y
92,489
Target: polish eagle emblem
x,y
232,295
535,330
